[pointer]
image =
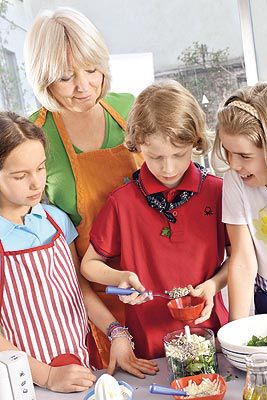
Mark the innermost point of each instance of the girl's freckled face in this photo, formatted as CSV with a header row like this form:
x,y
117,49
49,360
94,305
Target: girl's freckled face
x,y
245,158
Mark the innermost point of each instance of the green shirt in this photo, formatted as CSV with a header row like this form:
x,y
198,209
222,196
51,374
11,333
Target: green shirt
x,y
60,183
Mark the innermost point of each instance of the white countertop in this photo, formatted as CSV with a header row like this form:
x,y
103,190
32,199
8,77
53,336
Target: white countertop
x,y
234,387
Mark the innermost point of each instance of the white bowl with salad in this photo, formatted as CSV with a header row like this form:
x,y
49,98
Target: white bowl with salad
x,y
242,337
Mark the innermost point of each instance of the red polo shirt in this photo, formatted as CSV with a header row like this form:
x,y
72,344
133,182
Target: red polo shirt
x,y
129,228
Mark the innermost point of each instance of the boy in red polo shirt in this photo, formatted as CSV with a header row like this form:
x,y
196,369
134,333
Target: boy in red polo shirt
x,y
165,224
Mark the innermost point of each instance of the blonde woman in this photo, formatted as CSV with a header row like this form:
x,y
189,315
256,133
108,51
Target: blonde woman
x,y
67,65
241,142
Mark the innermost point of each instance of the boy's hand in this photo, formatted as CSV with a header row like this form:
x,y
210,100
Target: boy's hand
x,y
207,291
70,378
122,355
130,279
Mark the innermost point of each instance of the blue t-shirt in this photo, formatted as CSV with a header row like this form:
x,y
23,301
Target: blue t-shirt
x,y
37,229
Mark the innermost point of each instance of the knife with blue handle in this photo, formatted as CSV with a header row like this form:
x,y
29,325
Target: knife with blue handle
x,y
127,291
120,291
158,389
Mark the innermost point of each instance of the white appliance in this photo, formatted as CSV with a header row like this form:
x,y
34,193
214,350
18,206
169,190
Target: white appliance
x,y
15,376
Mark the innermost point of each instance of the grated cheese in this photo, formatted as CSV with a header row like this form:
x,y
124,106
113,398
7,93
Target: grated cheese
x,y
205,388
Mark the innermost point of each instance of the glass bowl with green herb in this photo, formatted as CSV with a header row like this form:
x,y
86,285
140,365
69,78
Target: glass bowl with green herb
x,y
190,355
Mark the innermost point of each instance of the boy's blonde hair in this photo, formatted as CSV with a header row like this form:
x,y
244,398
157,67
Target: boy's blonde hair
x,y
56,37
244,113
168,109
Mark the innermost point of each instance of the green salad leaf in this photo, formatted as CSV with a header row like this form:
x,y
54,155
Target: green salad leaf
x,y
257,341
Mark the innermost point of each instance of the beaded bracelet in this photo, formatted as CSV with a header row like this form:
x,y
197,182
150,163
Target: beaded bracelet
x,y
116,330
112,326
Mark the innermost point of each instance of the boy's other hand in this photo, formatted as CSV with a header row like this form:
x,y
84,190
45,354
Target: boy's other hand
x,y
131,280
207,291
70,378
122,355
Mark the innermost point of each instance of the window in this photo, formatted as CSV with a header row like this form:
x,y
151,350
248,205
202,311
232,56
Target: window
x,y
10,87
210,61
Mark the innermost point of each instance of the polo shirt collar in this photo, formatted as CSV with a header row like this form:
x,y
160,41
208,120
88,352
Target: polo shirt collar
x,y
6,226
38,211
191,181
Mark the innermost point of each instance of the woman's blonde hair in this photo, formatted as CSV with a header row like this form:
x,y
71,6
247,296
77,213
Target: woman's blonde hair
x,y
54,37
243,113
168,109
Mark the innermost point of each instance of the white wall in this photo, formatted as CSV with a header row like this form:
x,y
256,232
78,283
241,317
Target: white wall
x,y
131,73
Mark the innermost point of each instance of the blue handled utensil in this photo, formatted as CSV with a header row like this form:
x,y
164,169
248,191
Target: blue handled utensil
x,y
158,389
127,291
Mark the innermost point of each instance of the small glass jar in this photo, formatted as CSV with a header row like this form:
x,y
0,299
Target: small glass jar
x,y
190,356
256,379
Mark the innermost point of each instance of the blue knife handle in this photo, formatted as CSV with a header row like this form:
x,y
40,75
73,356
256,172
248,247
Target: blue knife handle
x,y
119,291
158,389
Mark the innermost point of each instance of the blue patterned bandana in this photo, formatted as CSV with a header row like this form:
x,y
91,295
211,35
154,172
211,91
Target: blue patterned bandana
x,y
158,201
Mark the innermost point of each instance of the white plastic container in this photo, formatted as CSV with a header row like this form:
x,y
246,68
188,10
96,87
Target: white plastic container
x,y
15,376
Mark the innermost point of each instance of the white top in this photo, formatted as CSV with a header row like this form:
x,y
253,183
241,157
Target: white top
x,y
244,205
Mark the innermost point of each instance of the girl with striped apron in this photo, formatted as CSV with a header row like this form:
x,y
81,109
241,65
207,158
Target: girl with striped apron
x,y
42,309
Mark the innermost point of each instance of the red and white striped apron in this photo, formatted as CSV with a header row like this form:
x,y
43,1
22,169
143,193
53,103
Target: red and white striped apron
x,y
42,310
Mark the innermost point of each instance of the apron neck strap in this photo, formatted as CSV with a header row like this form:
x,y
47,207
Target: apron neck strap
x,y
40,120
53,222
115,115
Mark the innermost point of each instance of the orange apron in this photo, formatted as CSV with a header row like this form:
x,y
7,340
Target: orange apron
x,y
97,173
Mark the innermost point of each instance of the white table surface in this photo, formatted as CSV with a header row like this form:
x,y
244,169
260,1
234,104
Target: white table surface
x,y
234,387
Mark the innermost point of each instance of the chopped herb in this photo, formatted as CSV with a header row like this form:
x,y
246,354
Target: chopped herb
x,y
166,232
230,377
257,341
